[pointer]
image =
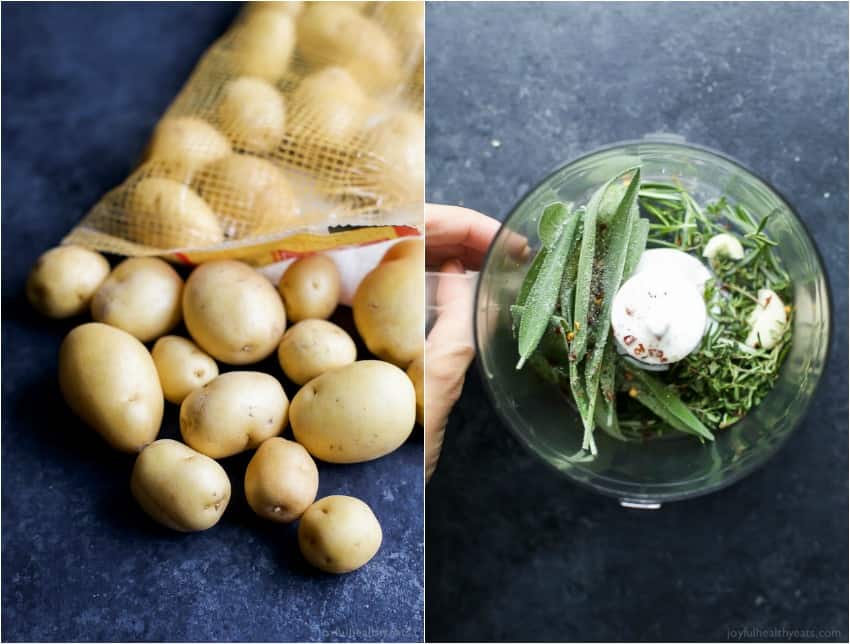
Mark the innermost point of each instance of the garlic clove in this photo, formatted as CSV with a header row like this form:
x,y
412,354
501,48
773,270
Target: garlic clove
x,y
723,245
767,321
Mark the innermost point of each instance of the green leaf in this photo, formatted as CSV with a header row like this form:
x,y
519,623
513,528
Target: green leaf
x,y
543,295
531,276
637,244
667,405
551,221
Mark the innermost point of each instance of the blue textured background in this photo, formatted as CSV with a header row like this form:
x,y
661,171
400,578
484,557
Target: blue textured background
x,y
82,85
515,552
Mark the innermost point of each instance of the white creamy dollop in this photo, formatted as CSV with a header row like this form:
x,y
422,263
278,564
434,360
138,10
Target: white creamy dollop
x,y
659,316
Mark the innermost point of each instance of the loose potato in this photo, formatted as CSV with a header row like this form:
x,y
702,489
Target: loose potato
x,y
140,296
165,214
329,103
405,22
339,534
233,312
281,480
186,143
64,279
339,35
109,380
389,311
310,288
289,7
413,249
416,373
398,142
252,193
178,487
182,367
312,347
252,113
263,44
356,413
233,412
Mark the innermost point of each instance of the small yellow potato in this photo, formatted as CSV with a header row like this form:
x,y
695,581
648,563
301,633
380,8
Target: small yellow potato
x,y
289,7
281,480
356,413
63,280
310,288
252,113
389,311
333,34
182,367
412,249
263,44
398,142
233,412
339,534
185,144
251,193
416,373
109,380
165,214
312,347
178,487
405,21
140,296
233,312
329,103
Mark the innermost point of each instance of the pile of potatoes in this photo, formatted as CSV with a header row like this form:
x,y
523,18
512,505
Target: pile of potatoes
x,y
345,410
214,172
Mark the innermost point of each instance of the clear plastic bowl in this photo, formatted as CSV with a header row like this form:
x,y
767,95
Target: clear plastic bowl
x,y
647,475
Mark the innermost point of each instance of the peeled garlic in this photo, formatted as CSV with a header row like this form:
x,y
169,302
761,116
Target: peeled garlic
x,y
723,245
767,321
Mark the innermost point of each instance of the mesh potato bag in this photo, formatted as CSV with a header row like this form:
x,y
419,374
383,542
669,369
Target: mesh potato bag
x,y
300,129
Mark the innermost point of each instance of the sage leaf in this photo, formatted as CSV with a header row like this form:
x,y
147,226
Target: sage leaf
x,y
551,221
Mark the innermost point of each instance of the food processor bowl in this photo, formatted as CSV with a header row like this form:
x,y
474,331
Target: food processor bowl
x,y
645,475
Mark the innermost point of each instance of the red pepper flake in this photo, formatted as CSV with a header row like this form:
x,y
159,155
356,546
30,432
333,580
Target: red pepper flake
x,y
629,340
640,350
629,311
656,353
663,359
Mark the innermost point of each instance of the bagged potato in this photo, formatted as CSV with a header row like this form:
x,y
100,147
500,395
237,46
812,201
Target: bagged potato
x,y
300,130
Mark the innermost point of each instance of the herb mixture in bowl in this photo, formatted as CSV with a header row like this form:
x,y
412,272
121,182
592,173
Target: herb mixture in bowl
x,y
658,316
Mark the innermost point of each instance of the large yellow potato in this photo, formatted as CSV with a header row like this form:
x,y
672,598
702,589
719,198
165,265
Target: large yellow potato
x,y
339,534
335,34
178,487
263,44
252,113
389,310
182,367
413,249
356,413
329,105
310,288
64,279
312,347
109,380
281,480
251,193
233,412
186,143
140,296
233,312
416,373
398,142
165,214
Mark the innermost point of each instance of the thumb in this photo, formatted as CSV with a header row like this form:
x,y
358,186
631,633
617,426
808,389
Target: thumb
x,y
449,350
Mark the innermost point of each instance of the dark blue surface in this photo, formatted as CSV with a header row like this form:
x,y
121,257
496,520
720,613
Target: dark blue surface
x,y
82,87
515,552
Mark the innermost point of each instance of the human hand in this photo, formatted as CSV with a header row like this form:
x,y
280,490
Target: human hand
x,y
456,239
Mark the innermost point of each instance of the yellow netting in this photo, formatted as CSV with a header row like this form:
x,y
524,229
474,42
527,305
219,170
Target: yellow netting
x,y
303,117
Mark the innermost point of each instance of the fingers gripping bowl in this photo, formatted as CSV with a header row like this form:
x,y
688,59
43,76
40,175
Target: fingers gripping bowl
x,y
649,473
